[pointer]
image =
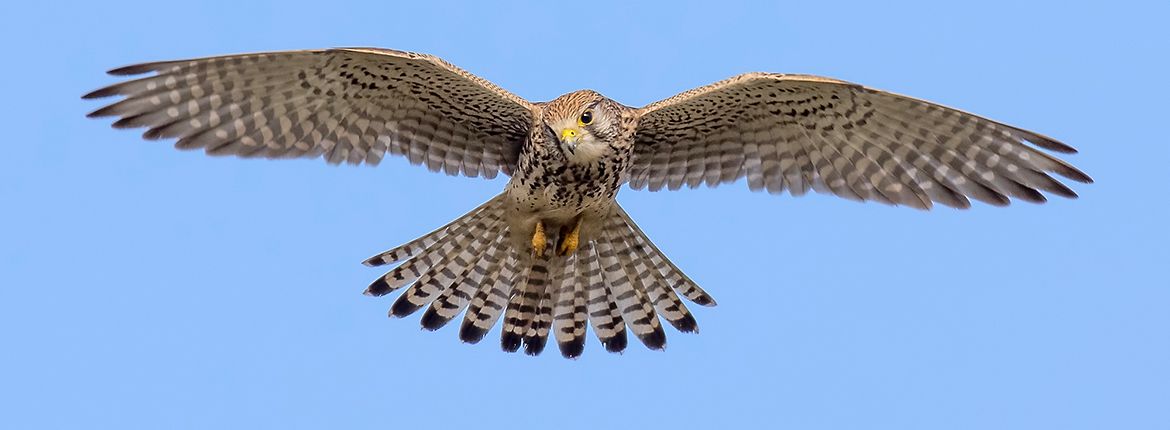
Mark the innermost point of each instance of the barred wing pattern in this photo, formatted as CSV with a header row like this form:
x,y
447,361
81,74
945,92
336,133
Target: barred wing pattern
x,y
348,105
796,132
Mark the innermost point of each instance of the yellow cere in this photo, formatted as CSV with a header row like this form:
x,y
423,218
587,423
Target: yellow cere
x,y
568,134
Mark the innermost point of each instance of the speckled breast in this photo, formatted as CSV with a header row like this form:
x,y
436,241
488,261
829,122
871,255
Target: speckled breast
x,y
546,182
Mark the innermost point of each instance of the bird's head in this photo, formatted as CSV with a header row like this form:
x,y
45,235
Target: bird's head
x,y
585,125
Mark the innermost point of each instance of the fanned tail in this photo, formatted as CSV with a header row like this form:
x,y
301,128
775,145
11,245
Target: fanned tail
x,y
617,280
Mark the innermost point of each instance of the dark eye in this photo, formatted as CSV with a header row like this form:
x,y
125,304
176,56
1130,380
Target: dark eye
x,y
586,118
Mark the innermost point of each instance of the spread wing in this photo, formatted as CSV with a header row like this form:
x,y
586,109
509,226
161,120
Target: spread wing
x,y
347,105
796,132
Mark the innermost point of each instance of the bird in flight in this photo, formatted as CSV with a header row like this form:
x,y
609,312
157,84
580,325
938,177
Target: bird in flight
x,y
554,252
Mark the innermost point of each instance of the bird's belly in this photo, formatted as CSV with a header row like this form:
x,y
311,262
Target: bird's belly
x,y
558,203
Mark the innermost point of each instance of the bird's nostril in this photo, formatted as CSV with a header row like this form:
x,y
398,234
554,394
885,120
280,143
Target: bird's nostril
x,y
568,134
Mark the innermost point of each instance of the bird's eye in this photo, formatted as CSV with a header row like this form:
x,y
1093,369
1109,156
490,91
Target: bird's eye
x,y
586,118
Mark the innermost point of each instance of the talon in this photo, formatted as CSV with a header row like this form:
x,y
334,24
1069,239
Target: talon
x,y
570,242
539,241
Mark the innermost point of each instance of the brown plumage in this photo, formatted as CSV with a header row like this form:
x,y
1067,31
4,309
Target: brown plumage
x,y
554,253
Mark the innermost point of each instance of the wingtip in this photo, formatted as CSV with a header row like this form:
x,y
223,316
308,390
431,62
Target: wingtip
x,y
133,69
155,133
1049,143
126,123
1074,174
99,94
1059,189
95,114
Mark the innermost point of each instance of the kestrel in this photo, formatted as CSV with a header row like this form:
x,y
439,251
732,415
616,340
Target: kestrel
x,y
554,251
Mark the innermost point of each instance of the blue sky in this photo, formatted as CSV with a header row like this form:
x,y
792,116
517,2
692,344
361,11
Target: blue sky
x,y
143,287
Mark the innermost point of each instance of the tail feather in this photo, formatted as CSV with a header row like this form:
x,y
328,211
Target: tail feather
x,y
489,301
664,299
630,294
423,253
452,300
436,278
458,256
569,318
675,276
521,310
538,327
604,315
617,280
400,277
417,246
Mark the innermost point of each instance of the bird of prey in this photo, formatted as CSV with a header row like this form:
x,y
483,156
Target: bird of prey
x,y
554,251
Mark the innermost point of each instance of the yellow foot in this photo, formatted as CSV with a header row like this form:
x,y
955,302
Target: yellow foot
x,y
571,241
539,241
